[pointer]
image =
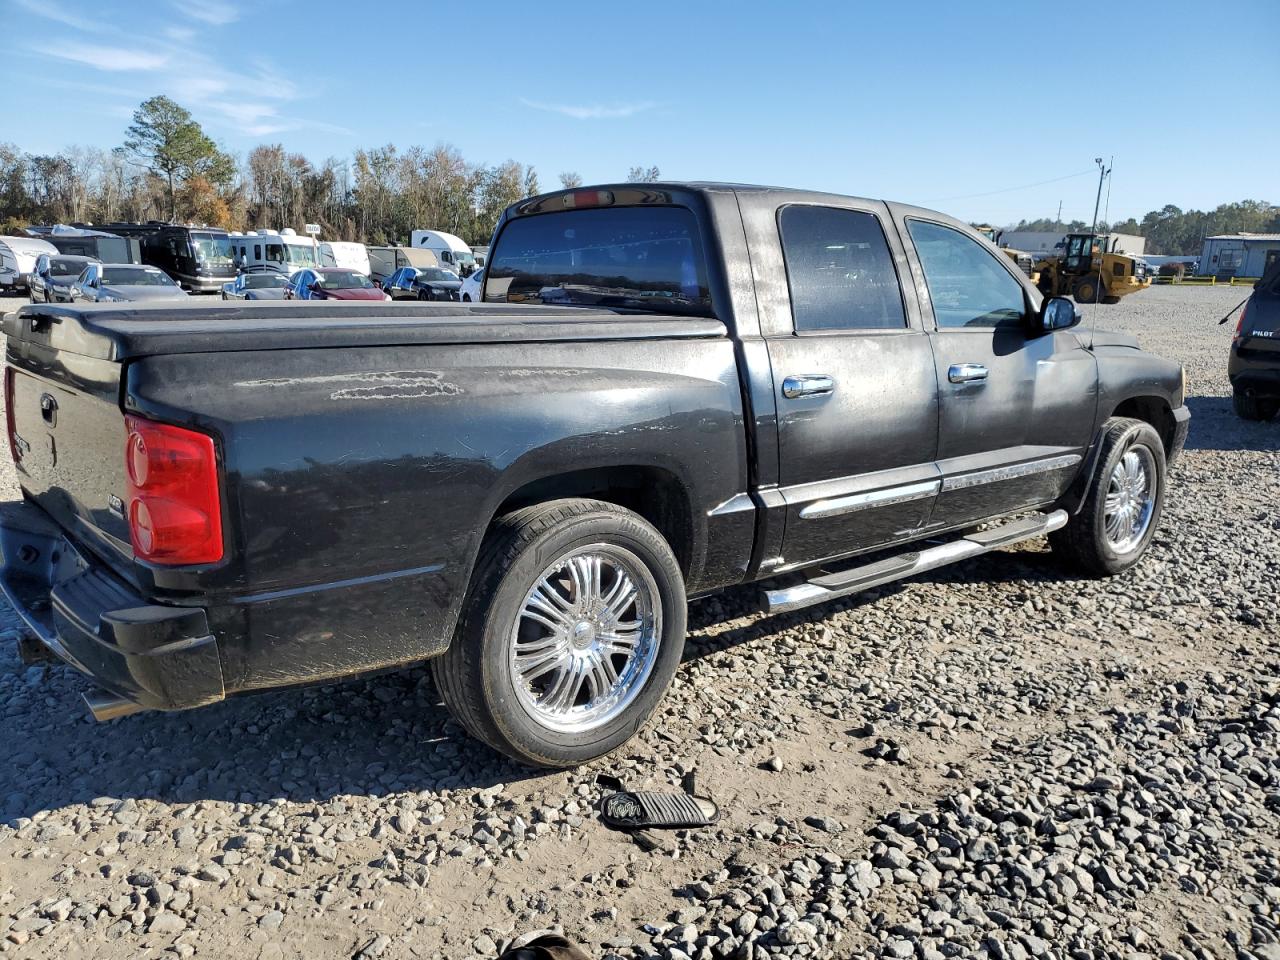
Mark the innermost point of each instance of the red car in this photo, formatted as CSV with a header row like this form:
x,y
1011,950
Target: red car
x,y
332,283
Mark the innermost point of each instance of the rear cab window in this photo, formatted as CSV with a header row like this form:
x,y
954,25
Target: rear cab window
x,y
633,257
839,270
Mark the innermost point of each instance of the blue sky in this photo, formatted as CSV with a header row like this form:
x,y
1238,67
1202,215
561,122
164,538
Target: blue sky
x,y
950,105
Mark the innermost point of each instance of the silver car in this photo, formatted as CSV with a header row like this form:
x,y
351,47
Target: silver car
x,y
256,286
114,282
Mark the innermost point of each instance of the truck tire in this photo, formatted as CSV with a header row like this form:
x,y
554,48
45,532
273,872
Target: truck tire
x,y
570,633
1085,290
1249,407
1122,509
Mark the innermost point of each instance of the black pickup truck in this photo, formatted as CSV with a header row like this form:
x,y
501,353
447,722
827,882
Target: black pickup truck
x,y
668,389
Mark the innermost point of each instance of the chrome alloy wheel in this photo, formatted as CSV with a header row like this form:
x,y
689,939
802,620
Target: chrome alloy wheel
x,y
1131,498
586,638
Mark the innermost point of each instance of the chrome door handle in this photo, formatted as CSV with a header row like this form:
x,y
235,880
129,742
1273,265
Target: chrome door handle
x,y
966,372
807,385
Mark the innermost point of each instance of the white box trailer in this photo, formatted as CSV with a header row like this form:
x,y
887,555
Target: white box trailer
x,y
18,258
348,256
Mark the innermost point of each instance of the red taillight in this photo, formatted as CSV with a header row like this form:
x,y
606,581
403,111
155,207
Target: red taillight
x,y
1240,322
174,508
8,415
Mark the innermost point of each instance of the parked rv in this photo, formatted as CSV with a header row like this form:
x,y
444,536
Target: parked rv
x,y
198,258
451,251
386,260
280,251
349,256
94,244
18,258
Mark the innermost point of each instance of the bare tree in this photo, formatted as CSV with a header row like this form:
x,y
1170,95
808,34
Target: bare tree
x,y
641,175
569,180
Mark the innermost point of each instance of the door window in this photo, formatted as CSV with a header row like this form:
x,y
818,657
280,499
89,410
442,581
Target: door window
x,y
839,270
969,287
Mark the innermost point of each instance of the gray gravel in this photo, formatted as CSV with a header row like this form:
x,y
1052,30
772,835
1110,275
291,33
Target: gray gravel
x,y
995,760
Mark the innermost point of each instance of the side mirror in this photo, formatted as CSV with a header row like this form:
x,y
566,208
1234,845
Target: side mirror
x,y
1057,313
378,284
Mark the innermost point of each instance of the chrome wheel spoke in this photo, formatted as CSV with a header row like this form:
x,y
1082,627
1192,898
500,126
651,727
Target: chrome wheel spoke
x,y
533,667
603,677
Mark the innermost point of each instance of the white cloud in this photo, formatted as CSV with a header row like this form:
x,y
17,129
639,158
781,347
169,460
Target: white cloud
x,y
180,34
55,12
214,12
106,58
594,111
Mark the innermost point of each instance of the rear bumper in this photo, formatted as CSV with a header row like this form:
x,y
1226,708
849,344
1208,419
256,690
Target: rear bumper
x,y
158,657
198,284
1255,371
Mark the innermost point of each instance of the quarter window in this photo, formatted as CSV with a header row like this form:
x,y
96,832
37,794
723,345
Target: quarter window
x,y
967,285
839,270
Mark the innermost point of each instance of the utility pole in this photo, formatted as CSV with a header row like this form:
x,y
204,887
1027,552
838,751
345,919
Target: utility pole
x,y
1103,172
1059,220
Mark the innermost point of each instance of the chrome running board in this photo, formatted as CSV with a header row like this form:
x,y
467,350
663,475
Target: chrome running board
x,y
832,586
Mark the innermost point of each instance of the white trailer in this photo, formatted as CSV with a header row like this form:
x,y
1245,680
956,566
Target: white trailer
x,y
18,258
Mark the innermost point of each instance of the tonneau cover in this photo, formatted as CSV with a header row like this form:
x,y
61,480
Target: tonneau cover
x,y
112,332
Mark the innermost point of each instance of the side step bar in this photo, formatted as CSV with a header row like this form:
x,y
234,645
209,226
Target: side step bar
x,y
831,586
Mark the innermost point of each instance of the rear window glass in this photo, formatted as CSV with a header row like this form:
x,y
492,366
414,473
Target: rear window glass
x,y
839,270
646,258
66,268
135,277
255,281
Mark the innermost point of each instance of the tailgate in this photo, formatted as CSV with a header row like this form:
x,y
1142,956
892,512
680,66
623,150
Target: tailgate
x,y
68,440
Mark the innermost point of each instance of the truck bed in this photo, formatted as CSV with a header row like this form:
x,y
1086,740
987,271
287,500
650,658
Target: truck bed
x,y
116,333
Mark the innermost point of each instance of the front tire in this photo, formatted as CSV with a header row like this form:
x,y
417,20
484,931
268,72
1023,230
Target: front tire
x,y
1249,407
1086,290
1120,514
570,634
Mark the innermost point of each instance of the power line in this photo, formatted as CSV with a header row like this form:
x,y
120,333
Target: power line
x,y
1025,186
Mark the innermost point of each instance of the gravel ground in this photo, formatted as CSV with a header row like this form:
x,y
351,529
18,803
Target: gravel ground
x,y
995,760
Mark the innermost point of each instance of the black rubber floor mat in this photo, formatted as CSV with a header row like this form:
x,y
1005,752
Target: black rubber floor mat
x,y
644,809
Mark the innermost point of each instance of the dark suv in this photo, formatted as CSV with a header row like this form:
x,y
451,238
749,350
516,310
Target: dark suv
x,y
1255,352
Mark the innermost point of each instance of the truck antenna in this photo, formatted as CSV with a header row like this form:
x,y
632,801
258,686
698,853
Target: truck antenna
x,y
1104,173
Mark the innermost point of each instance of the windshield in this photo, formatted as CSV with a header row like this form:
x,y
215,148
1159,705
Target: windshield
x,y
135,277
435,273
342,280
302,254
213,248
463,256
255,281
66,268
647,258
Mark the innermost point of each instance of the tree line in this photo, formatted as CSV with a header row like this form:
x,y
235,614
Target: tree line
x,y
1171,230
168,168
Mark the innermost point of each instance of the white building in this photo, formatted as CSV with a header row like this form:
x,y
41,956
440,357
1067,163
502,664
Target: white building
x,y
1041,243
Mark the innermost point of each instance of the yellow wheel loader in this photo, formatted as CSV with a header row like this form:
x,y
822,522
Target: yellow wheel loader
x,y
1024,261
1089,272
